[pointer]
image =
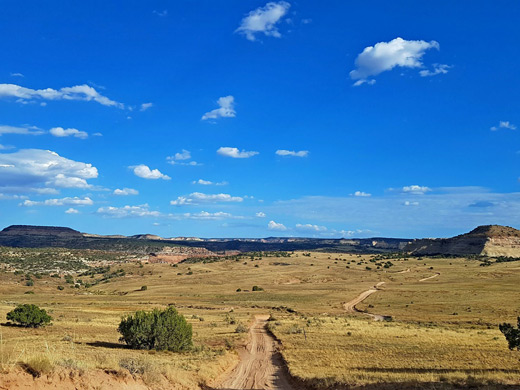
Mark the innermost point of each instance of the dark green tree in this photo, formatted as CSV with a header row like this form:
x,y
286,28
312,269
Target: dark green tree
x,y
30,316
159,329
512,334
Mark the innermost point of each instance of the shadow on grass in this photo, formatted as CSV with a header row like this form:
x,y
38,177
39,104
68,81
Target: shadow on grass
x,y
104,344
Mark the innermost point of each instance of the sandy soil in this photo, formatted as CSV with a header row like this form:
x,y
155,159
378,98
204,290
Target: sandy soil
x,y
260,365
350,306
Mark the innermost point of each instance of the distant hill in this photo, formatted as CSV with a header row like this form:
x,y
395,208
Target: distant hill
x,y
48,236
487,240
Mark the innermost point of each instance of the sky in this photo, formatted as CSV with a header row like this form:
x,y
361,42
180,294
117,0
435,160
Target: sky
x,y
238,118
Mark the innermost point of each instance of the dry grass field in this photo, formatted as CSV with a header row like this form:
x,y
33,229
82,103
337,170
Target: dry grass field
x,y
443,330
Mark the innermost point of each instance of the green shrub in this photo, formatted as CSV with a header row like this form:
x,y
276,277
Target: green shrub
x,y
241,328
257,288
144,288
30,316
158,329
61,288
511,334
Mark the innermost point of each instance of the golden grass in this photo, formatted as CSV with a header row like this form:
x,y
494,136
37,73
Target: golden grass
x,y
426,342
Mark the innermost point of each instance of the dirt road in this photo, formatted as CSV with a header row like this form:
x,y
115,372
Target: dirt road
x,y
429,277
260,365
350,306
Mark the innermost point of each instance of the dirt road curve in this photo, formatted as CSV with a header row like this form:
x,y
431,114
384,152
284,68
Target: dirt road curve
x,y
429,277
350,306
260,367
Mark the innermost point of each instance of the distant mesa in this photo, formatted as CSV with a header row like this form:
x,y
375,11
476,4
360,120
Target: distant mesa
x,y
28,230
487,240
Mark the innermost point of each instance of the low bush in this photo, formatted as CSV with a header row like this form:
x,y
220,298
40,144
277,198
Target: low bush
x,y
30,316
159,329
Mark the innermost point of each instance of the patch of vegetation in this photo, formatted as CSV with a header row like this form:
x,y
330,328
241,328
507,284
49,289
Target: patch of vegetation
x,y
159,329
511,334
30,316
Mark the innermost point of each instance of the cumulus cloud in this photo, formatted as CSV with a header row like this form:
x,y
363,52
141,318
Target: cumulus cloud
x,y
501,125
264,20
235,152
384,56
61,132
416,190
145,106
362,194
72,211
437,69
25,130
75,201
226,109
36,170
301,153
77,92
146,173
309,227
204,215
128,211
196,198
125,192
272,225
184,155
260,214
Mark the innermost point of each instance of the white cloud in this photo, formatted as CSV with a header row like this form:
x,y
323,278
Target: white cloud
x,y
504,125
437,69
77,92
184,155
25,130
17,74
6,147
260,214
415,189
235,153
204,215
145,106
209,183
162,13
312,228
263,20
61,132
128,211
226,109
408,203
36,170
385,56
196,198
75,201
301,153
362,194
125,192
272,225
71,211
146,173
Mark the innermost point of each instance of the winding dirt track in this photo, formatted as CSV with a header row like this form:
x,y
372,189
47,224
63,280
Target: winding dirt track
x,y
429,277
260,366
350,306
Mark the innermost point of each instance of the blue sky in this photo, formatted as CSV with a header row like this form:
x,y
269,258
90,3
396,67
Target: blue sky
x,y
254,118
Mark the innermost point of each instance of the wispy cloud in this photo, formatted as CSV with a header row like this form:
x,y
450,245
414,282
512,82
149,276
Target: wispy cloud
x,y
77,92
263,20
23,130
437,69
292,153
209,183
145,106
235,152
362,194
504,125
226,109
75,201
128,211
197,198
61,132
181,158
125,192
416,189
384,56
